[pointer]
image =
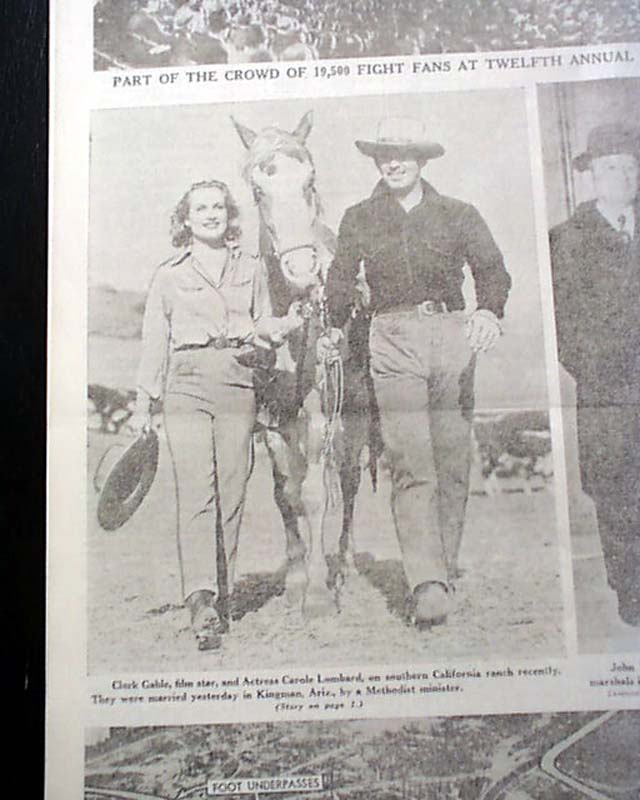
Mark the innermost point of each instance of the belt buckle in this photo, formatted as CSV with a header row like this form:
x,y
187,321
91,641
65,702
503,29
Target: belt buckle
x,y
428,308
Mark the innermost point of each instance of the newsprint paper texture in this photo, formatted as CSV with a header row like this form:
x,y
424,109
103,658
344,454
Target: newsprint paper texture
x,y
344,400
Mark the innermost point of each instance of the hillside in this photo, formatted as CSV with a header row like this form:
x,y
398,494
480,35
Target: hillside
x,y
115,313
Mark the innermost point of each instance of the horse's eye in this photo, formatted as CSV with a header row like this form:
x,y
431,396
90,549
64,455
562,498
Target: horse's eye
x,y
269,169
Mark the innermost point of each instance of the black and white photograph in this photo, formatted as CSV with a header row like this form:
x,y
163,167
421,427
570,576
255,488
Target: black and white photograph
x,y
343,403
591,142
318,415
162,33
557,756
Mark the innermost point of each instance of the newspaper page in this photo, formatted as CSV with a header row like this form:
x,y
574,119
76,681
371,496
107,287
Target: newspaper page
x,y
344,391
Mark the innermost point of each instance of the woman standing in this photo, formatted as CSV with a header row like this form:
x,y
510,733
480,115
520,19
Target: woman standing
x,y
201,315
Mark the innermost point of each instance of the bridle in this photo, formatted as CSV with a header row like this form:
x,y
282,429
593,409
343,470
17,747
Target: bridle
x,y
307,246
331,371
278,252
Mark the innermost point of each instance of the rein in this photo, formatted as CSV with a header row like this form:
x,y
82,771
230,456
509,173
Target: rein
x,y
300,362
332,370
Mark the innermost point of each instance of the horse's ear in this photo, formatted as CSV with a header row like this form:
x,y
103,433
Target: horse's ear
x,y
303,128
247,136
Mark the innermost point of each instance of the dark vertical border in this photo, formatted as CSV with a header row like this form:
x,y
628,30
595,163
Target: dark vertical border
x,y
23,313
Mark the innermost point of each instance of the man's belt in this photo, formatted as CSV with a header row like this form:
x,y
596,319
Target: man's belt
x,y
425,309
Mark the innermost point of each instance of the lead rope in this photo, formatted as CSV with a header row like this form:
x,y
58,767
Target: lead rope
x,y
300,362
332,379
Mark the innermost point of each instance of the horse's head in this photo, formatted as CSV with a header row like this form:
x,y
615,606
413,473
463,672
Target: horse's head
x,y
281,174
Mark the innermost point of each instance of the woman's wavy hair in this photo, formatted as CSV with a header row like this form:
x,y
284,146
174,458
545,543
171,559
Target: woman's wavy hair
x,y
181,235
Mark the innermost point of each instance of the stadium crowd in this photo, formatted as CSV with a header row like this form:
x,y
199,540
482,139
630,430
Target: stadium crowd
x,y
146,33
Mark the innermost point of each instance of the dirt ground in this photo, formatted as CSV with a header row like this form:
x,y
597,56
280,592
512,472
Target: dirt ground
x,y
508,601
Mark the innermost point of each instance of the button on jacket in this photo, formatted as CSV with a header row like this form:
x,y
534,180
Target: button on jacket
x,y
417,255
185,309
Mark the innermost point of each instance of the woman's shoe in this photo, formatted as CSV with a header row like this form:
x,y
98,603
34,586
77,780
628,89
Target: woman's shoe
x,y
206,624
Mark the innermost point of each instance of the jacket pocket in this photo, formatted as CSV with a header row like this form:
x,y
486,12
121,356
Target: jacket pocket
x,y
189,289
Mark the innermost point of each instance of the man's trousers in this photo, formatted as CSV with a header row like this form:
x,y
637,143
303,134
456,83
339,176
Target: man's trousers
x,y
422,368
608,435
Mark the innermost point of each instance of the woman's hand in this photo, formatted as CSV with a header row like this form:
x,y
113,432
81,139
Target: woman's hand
x,y
276,329
140,421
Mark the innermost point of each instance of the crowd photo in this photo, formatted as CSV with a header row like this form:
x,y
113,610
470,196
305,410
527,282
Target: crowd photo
x,y
161,33
318,411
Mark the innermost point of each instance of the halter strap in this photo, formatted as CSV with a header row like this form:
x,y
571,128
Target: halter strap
x,y
282,253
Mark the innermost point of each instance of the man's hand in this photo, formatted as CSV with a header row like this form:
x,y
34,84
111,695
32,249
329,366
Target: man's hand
x,y
294,317
328,346
483,330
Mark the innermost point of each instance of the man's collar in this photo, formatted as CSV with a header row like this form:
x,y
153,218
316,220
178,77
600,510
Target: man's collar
x,y
612,215
382,192
587,213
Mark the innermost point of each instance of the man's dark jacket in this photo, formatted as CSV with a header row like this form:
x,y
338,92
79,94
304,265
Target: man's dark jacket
x,y
414,256
596,279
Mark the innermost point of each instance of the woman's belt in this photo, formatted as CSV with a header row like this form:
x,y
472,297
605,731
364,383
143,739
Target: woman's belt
x,y
220,342
223,342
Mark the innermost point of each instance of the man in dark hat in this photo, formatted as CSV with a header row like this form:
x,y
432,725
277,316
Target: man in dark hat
x,y
596,275
413,244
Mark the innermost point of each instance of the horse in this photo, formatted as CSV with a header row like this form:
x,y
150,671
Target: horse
x,y
319,414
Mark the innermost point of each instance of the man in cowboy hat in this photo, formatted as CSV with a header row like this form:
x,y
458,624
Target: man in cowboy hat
x,y
595,258
413,244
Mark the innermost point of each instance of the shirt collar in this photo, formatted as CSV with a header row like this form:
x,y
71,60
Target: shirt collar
x,y
174,261
614,217
382,193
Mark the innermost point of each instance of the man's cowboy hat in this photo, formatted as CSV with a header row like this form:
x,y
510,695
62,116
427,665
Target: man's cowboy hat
x,y
400,134
608,140
123,477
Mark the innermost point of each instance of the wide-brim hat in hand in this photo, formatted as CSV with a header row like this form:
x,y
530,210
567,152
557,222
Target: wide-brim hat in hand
x,y
609,140
123,477
400,135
